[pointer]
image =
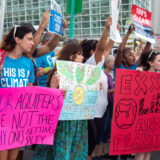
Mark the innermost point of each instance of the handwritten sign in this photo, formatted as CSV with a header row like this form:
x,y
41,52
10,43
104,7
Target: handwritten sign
x,y
142,20
2,57
82,83
56,23
28,115
136,116
114,34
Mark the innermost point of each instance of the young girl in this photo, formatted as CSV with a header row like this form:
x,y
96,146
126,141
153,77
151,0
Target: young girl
x,y
18,70
150,61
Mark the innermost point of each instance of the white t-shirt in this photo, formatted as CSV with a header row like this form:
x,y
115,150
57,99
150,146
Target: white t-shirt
x,y
102,101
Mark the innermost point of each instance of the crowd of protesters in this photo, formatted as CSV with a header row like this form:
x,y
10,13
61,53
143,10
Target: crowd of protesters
x,y
30,59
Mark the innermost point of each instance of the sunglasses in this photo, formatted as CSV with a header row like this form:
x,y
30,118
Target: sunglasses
x,y
15,30
152,52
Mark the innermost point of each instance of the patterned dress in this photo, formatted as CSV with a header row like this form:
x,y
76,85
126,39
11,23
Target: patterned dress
x,y
70,142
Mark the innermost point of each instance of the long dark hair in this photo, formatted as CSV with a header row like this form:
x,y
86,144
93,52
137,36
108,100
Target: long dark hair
x,y
8,41
68,51
147,57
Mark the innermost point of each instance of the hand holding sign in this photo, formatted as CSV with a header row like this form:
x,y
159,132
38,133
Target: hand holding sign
x,y
131,28
108,22
45,18
142,21
64,23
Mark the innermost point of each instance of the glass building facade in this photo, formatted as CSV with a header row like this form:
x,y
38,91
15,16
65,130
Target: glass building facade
x,y
89,23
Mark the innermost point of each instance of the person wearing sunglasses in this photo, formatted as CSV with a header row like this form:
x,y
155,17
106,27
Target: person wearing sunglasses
x,y
18,69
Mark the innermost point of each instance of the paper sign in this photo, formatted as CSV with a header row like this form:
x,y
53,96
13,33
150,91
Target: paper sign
x,y
28,115
114,34
136,115
142,20
2,57
82,84
56,23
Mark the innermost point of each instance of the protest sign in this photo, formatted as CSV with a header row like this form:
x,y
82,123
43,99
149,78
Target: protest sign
x,y
136,115
114,34
28,115
141,18
56,20
82,84
2,57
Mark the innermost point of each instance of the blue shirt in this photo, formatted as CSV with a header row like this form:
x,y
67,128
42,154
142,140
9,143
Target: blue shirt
x,y
123,67
17,72
45,61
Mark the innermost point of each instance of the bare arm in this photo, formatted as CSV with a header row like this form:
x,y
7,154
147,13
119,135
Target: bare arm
x,y
119,56
101,46
109,45
140,48
108,49
38,34
111,90
51,44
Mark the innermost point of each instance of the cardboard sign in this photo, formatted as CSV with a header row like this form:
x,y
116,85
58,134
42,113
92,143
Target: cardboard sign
x,y
2,57
136,115
82,84
114,34
142,20
28,115
56,23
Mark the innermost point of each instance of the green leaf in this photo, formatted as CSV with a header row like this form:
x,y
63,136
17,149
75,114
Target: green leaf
x,y
80,71
94,76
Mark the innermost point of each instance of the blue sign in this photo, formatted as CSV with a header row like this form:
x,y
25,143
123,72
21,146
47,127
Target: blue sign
x,y
56,23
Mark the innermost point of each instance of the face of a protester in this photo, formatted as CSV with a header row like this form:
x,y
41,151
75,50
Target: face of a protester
x,y
156,63
26,43
79,57
111,63
130,58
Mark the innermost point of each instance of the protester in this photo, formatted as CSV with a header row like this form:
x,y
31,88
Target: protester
x,y
149,61
125,58
90,48
107,118
70,140
18,70
44,63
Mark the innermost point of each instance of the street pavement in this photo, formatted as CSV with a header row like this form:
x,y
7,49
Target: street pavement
x,y
28,155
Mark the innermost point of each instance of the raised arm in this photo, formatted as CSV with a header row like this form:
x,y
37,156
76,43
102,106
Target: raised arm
x,y
38,34
51,44
119,56
109,45
101,46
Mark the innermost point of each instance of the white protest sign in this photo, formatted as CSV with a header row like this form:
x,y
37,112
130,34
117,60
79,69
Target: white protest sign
x,y
114,33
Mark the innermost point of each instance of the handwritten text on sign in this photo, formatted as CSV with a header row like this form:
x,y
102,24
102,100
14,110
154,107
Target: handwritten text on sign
x,y
136,117
142,21
82,84
28,115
